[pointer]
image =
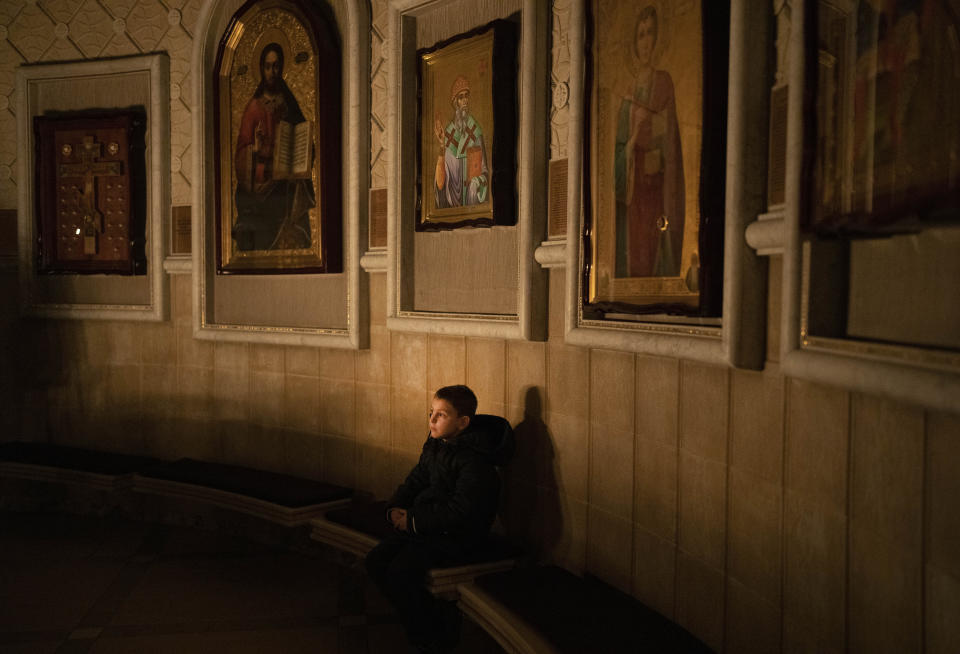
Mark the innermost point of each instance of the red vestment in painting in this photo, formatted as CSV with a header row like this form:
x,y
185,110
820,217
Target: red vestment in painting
x,y
649,181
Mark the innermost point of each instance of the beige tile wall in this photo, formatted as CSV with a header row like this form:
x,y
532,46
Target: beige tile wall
x,y
763,513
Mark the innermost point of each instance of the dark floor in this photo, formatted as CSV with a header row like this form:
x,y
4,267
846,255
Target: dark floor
x,y
73,584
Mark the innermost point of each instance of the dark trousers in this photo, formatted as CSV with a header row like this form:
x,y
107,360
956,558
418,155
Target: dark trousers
x,y
398,566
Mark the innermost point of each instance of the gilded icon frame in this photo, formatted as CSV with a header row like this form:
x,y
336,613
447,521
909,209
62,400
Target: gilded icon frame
x,y
655,153
482,155
252,235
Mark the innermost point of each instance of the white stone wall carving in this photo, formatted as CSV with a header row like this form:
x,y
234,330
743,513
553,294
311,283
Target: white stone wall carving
x,y
62,30
560,80
378,93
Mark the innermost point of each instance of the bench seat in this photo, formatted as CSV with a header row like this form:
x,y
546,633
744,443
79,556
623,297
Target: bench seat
x,y
283,499
48,462
548,610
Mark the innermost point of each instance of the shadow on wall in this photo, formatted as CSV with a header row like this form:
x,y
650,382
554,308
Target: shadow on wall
x,y
11,359
37,365
530,511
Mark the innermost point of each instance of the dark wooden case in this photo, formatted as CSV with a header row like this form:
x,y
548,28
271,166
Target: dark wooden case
x,y
90,184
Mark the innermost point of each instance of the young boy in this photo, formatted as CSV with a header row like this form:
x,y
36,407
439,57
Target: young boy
x,y
441,514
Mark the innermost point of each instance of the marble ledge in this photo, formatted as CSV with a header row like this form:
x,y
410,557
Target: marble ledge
x,y
374,261
552,254
767,233
178,264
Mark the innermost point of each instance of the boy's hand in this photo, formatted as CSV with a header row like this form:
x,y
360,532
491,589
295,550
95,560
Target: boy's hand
x,y
399,519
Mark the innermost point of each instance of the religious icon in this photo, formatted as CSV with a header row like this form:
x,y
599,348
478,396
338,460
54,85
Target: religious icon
x,y
887,131
90,192
647,118
279,141
468,130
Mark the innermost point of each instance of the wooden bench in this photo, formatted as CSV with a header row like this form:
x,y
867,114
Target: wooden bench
x,y
360,526
282,499
548,610
59,464
279,498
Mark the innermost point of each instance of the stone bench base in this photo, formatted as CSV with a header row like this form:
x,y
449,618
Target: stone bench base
x,y
548,610
446,582
513,634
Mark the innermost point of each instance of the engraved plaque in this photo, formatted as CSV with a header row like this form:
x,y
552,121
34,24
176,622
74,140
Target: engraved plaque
x,y
378,218
557,214
777,165
181,230
90,193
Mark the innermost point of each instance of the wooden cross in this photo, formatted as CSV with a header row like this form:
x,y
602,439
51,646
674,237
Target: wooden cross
x,y
89,168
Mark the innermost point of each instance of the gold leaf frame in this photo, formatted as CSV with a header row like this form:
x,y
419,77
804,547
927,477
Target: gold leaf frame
x,y
473,58
238,75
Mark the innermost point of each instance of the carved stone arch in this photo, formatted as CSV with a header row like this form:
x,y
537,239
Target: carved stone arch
x,y
306,309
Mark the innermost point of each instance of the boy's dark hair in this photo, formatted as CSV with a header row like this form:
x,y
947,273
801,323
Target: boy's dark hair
x,y
460,397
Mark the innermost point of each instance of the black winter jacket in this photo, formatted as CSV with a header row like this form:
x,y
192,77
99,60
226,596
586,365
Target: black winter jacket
x,y
453,492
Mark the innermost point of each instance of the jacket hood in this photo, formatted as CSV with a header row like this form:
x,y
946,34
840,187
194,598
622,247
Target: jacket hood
x,y
489,435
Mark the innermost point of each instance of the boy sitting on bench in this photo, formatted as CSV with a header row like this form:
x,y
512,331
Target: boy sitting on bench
x,y
441,515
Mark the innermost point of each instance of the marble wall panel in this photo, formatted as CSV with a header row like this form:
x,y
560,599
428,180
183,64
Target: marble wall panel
x,y
885,595
817,440
700,600
756,424
608,538
657,402
704,408
702,510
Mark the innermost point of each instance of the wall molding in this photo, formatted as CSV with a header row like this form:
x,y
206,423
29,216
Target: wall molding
x,y
529,321
766,233
552,254
178,264
740,340
374,261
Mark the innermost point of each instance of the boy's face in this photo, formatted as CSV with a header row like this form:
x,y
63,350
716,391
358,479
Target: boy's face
x,y
444,419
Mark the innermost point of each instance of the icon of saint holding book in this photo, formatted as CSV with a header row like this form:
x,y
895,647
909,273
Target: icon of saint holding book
x,y
462,177
273,163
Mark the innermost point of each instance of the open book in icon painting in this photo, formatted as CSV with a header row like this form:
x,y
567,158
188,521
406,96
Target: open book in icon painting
x,y
293,154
